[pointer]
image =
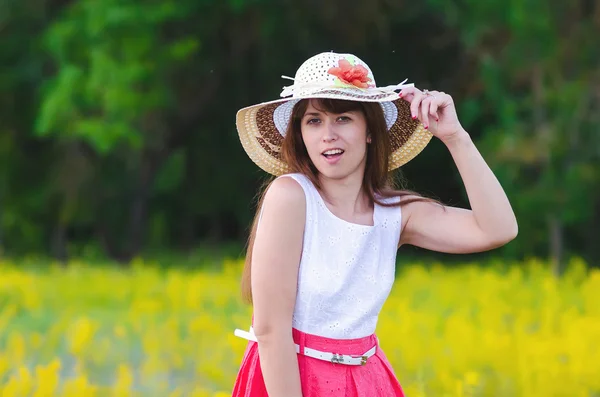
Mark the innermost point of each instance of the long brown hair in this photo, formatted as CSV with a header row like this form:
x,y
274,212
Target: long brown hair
x,y
377,180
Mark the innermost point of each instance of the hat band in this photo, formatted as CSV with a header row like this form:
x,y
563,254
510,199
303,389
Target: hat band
x,y
300,89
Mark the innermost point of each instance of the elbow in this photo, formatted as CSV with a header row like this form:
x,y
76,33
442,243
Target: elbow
x,y
506,236
268,331
262,330
513,231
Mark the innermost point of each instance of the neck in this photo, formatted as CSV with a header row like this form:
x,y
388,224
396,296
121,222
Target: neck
x,y
345,194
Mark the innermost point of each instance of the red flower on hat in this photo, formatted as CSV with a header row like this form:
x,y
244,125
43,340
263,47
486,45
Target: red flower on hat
x,y
354,75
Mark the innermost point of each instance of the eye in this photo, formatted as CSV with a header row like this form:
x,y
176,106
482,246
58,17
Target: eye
x,y
312,121
344,118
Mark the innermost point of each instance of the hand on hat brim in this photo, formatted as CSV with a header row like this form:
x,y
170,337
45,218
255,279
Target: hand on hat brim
x,y
434,109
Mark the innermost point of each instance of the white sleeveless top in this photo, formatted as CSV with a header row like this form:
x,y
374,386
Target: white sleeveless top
x,y
346,270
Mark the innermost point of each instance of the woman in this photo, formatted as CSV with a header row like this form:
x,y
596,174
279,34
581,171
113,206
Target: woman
x,y
321,254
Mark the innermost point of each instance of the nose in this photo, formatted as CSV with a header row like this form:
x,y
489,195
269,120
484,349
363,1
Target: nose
x,y
329,133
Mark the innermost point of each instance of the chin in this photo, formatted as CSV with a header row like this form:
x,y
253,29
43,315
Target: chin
x,y
335,173
338,171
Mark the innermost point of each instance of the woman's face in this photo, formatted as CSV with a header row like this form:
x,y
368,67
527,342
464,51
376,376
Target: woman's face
x,y
336,143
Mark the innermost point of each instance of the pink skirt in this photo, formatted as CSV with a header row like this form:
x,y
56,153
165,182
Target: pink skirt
x,y
321,378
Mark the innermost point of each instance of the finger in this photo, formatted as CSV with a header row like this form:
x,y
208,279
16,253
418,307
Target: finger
x,y
443,99
408,93
425,104
415,104
433,108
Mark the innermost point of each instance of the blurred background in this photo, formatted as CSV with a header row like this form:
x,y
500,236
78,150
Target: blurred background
x,y
118,148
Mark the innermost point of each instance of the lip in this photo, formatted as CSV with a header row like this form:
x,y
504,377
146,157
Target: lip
x,y
332,160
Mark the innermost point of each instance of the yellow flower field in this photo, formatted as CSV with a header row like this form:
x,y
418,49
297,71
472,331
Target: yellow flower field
x,y
497,330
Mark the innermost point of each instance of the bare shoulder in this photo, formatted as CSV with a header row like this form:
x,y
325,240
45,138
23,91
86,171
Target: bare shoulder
x,y
285,194
283,208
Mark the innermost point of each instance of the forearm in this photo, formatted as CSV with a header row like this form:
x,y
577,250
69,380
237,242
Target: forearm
x,y
279,365
491,208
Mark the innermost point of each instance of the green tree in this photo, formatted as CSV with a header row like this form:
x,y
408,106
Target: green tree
x,y
539,74
118,116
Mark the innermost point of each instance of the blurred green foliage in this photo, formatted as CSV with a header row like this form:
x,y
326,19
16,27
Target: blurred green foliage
x,y
118,133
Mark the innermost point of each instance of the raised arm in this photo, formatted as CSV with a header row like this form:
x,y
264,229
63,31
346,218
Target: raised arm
x,y
274,274
490,223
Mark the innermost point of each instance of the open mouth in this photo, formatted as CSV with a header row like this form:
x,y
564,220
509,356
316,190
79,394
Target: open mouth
x,y
333,154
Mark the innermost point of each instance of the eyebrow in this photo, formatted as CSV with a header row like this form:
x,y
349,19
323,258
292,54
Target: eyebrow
x,y
311,114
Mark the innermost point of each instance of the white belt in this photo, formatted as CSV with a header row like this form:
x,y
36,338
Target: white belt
x,y
335,358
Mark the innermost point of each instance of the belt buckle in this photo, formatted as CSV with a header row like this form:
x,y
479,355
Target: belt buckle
x,y
337,358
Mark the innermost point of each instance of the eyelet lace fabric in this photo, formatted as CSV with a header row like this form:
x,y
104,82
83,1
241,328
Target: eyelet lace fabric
x,y
346,271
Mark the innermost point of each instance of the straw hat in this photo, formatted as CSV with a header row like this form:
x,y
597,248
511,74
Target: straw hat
x,y
262,127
